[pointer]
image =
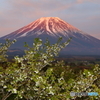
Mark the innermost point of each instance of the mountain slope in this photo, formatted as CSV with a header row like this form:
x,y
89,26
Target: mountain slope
x,y
53,28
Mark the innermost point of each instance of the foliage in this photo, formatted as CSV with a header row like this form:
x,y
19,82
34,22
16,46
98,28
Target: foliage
x,y
3,49
36,76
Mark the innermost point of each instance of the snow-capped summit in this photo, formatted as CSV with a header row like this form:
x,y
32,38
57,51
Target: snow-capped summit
x,y
53,28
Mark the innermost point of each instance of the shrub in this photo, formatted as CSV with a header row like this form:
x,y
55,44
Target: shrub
x,y
26,79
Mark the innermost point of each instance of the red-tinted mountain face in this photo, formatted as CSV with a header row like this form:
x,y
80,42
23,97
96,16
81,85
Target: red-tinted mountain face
x,y
53,28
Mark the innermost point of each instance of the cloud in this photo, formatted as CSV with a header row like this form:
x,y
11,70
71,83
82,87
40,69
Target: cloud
x,y
82,1
18,13
29,9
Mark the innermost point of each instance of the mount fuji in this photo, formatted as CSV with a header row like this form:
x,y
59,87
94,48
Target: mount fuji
x,y
53,28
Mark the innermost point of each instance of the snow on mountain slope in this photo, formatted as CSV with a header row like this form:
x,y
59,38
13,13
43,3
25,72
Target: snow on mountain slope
x,y
53,26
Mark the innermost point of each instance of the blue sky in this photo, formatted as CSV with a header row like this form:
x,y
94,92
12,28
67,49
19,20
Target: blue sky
x,y
83,14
